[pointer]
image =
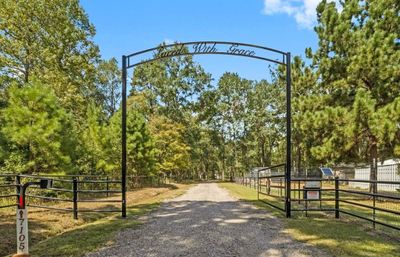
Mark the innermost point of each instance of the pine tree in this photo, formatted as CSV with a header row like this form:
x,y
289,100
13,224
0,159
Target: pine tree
x,y
140,145
33,129
358,67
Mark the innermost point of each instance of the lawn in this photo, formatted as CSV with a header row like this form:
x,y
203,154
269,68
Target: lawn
x,y
344,237
58,234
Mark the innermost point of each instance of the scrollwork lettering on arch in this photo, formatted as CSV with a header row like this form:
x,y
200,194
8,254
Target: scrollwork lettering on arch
x,y
202,48
234,49
164,51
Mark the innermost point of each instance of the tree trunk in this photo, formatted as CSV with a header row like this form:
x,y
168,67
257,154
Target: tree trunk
x,y
298,160
30,153
373,162
223,158
263,157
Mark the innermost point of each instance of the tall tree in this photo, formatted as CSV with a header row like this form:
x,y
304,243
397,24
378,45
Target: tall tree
x,y
307,99
140,144
91,146
266,118
359,68
51,41
172,154
109,84
171,85
34,123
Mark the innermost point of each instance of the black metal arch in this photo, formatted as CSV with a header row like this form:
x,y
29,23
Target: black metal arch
x,y
206,47
201,48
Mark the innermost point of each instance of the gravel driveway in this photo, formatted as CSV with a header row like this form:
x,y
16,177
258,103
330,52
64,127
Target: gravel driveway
x,y
207,221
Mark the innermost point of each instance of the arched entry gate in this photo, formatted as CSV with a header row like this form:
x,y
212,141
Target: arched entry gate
x,y
201,48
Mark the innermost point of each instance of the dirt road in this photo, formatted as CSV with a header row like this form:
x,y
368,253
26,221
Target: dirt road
x,y
207,221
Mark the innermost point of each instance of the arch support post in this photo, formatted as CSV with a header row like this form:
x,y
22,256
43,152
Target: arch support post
x,y
123,138
288,170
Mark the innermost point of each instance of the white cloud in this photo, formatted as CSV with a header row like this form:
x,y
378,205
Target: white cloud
x,y
302,10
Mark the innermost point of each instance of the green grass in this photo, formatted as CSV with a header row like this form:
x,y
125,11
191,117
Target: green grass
x,y
344,237
54,234
89,237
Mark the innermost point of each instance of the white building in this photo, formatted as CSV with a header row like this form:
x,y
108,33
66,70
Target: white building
x,y
387,171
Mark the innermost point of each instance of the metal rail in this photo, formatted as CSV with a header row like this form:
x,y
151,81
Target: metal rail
x,y
50,207
67,187
341,195
49,198
268,186
10,205
368,219
70,190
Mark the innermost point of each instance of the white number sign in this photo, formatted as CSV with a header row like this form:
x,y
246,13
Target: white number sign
x,y
313,184
22,231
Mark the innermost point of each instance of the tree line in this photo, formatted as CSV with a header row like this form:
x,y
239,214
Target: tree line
x,y
60,101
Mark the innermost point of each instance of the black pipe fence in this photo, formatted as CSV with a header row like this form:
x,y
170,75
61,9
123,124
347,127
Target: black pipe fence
x,y
271,183
377,206
248,181
71,193
333,195
272,186
9,189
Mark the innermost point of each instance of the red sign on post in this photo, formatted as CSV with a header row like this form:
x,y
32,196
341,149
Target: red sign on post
x,y
312,195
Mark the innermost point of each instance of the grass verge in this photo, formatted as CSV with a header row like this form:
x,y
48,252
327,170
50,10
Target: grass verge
x,y
57,234
338,237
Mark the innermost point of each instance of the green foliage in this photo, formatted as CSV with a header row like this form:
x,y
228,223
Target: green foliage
x,y
90,146
345,103
52,41
358,65
172,154
111,141
109,83
170,85
245,118
140,144
33,129
59,103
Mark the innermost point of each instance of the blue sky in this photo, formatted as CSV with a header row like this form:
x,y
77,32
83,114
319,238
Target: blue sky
x,y
125,27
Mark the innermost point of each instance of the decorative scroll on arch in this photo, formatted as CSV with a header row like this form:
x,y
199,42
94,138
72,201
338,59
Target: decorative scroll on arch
x,y
208,48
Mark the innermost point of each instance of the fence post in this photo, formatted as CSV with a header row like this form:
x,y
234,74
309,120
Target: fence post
x,y
258,185
18,186
75,197
298,192
337,197
374,203
107,185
